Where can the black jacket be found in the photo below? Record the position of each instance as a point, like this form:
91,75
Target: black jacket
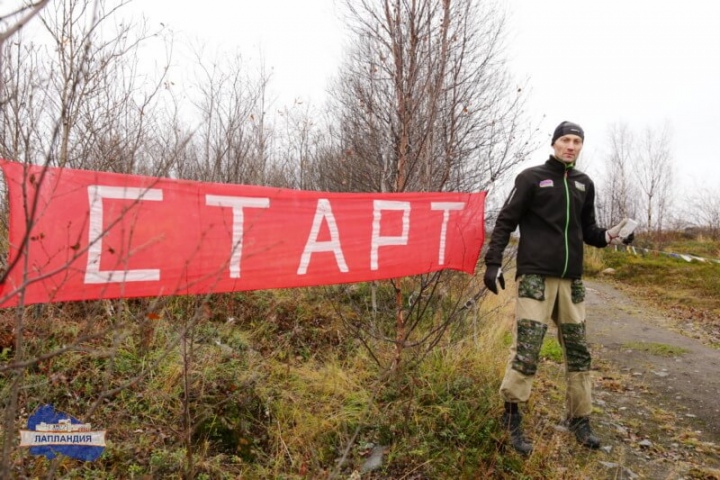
554,204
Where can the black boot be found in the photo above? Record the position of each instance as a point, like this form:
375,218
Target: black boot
512,422
580,426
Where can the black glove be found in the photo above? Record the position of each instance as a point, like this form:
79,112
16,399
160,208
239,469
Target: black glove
629,239
493,274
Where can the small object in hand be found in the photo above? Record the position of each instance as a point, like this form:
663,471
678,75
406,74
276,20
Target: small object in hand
628,228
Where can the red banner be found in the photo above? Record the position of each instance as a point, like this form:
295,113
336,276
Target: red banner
80,235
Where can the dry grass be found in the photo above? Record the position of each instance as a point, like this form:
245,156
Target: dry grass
277,387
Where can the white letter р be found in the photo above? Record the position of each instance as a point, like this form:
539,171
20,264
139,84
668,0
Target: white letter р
377,241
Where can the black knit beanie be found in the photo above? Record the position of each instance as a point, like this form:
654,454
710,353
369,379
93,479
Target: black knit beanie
567,128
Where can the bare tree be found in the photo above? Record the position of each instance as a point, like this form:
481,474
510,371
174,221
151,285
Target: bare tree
15,20
295,151
23,103
82,80
619,197
97,92
423,103
79,102
704,211
654,172
230,141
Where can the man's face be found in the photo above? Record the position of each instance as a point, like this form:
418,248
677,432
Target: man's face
567,148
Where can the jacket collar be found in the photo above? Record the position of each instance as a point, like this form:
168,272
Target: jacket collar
558,165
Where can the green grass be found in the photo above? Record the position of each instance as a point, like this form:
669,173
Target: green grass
551,350
669,281
701,247
660,349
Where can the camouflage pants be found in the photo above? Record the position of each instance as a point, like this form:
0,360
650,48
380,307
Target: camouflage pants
541,299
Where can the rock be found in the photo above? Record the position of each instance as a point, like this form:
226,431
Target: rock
608,271
645,443
374,461
624,472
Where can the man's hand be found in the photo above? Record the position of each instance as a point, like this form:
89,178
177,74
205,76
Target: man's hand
493,275
618,235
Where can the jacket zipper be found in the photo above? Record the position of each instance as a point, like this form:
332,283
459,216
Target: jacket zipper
567,223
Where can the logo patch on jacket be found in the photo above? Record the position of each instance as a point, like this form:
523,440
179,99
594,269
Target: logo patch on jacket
580,186
546,183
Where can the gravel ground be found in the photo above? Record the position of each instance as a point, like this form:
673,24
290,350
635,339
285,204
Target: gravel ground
657,391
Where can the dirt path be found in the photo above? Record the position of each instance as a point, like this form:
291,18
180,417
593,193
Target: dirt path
657,391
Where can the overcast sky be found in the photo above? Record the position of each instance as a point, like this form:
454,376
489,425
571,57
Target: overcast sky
641,62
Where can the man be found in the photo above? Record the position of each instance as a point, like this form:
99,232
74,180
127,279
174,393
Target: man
554,206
